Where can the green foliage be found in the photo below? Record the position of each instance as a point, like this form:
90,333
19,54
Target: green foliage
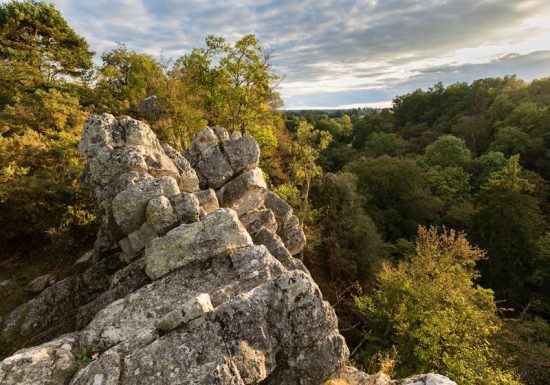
381,143
41,202
447,150
350,245
234,85
398,196
36,39
308,146
125,79
508,225
429,309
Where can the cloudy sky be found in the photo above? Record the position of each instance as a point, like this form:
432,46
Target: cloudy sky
335,53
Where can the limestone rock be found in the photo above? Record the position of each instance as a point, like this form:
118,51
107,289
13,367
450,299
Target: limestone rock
425,379
186,207
51,363
219,233
243,153
217,157
118,154
273,242
160,214
292,235
254,221
129,206
245,192
40,283
207,200
189,181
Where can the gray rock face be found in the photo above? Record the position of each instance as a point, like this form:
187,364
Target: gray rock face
425,379
40,283
49,364
205,290
218,234
119,154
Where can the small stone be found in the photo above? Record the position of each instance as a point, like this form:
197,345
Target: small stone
160,214
273,242
208,200
40,283
254,221
292,235
189,181
186,207
243,153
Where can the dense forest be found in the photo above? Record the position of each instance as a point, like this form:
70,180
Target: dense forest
427,223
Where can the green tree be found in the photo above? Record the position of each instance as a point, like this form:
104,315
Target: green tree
508,225
511,140
235,84
308,145
429,309
381,143
447,150
397,193
37,45
126,78
41,203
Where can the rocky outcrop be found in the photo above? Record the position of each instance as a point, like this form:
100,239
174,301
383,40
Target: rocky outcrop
192,279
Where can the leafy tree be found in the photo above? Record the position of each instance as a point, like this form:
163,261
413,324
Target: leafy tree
500,109
508,226
397,194
447,150
308,146
41,203
365,126
381,143
474,130
485,165
235,85
350,246
429,309
511,140
126,78
38,44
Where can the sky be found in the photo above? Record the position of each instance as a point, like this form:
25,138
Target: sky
338,53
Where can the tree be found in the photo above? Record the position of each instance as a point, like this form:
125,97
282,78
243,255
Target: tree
486,164
429,309
510,141
349,244
447,150
398,196
41,202
36,39
235,85
125,79
380,143
508,225
308,146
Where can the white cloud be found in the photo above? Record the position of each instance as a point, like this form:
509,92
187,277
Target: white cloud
336,52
